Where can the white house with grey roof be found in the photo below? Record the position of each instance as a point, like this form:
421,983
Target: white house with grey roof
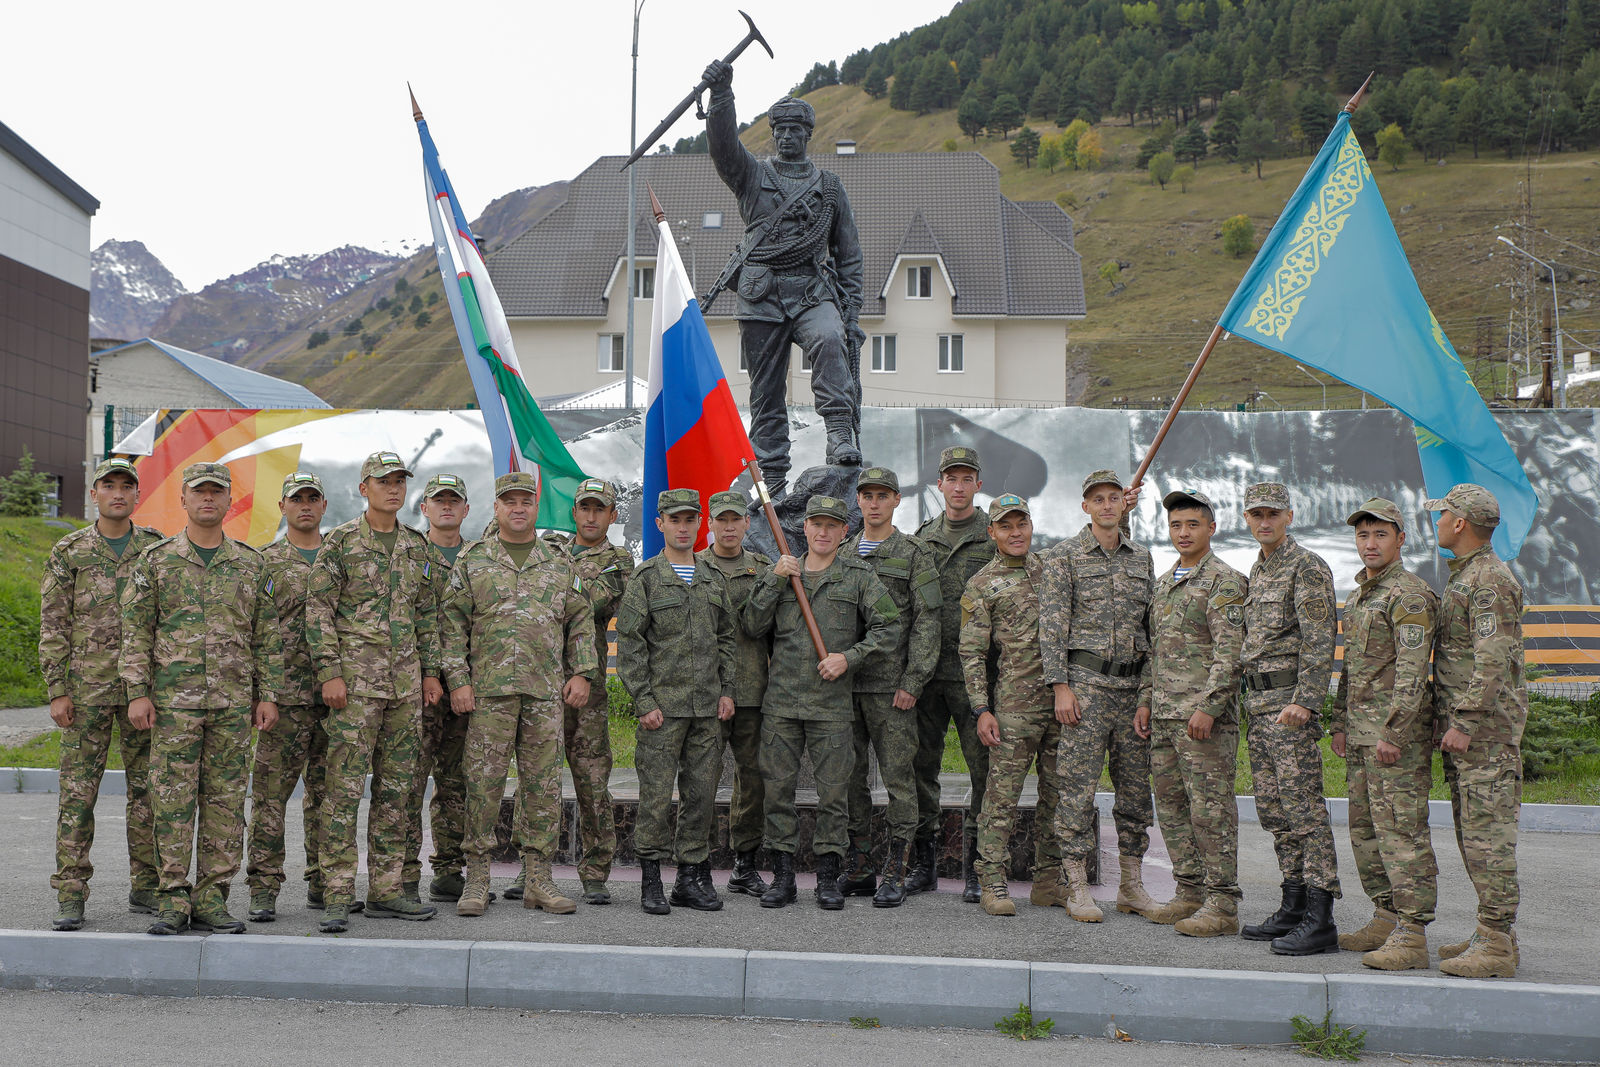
968,294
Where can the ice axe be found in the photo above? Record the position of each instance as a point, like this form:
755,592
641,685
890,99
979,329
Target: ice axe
655,135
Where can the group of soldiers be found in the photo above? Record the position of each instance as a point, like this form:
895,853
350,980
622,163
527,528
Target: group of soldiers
380,649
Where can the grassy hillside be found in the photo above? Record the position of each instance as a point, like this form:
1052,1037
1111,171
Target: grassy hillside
24,546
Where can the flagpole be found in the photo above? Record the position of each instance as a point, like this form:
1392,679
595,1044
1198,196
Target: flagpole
1211,342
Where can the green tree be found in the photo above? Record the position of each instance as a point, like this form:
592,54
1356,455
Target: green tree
1225,130
1365,124
1184,176
353,327
317,339
876,83
855,67
1432,129
401,286
1315,110
1238,236
1042,104
1162,164
1089,152
416,303
423,318
1050,153
905,79
1589,123
1191,143
1005,115
1110,270
971,115
433,298
951,145
1025,149
1069,141
1392,145
1256,141
23,492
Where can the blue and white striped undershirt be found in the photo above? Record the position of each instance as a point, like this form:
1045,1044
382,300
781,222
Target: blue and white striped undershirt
1180,573
865,547
684,571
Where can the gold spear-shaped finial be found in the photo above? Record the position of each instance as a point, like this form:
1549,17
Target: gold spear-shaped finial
416,109
1355,101
655,205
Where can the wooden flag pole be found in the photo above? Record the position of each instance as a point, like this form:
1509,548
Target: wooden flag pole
783,547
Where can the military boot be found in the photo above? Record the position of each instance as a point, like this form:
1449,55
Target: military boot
1080,905
143,902
263,906
1217,916
746,878
1048,890
1406,949
171,919
1372,935
1489,954
996,897
515,889
1315,932
542,892
446,886
971,893
1285,919
401,907
892,887
924,876
472,899
859,879
335,919
842,448
69,914
1180,907
782,891
1132,899
827,892
1451,951
596,892
651,897
412,891
214,919
694,890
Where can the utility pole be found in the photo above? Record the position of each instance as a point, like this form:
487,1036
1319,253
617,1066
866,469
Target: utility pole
633,215
1545,392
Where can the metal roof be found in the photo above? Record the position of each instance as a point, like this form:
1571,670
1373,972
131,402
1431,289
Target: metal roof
46,171
247,388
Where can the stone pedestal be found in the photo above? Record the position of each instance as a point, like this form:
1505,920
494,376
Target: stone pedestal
834,480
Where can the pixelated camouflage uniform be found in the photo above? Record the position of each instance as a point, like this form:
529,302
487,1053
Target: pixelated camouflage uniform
1000,623
202,642
372,620
443,736
1480,691
1097,604
80,638
1389,624
515,634
1196,631
1289,622
742,733
676,654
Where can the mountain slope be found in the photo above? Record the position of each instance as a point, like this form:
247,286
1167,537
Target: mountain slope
129,290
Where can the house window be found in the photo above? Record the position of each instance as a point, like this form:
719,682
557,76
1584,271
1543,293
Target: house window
711,220
951,359
644,283
610,353
883,353
919,283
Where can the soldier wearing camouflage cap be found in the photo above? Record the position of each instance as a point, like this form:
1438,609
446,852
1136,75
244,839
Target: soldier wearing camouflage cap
80,636
1289,625
1383,728
1482,698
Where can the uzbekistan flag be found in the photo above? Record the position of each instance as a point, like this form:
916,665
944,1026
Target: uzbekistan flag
693,435
520,437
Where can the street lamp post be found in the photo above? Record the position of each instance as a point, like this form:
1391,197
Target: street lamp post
1319,381
1555,299
633,213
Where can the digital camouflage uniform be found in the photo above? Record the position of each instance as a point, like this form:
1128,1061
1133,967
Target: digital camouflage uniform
371,619
443,743
202,642
80,638
676,654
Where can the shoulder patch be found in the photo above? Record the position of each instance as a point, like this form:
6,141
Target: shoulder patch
1414,605
1410,634
1316,609
1485,625
1234,614
1229,587
1484,598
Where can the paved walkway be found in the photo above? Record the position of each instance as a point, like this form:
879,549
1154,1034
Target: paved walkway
21,725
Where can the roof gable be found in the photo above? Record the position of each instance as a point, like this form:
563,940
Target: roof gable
247,388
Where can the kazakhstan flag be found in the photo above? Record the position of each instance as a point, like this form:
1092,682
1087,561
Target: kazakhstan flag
1331,288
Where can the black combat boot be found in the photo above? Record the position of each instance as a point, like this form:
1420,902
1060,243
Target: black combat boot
892,888
973,893
650,893
1286,918
924,876
782,890
693,888
859,879
746,879
1316,932
828,896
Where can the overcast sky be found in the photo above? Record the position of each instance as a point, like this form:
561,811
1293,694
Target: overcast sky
220,134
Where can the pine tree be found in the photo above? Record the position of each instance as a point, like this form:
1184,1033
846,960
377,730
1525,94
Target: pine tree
1026,147
971,115
1256,141
1225,130
1006,115
876,83
24,490
1191,143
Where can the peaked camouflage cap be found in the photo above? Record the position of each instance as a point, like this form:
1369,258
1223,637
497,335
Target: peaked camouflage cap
827,507
201,473
1104,476
444,483
1187,498
728,500
1267,495
881,477
1472,502
523,480
959,456
1380,509
115,465
1001,506
672,501
596,489
380,464
301,480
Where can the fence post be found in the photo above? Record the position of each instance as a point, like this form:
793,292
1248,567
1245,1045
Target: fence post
111,411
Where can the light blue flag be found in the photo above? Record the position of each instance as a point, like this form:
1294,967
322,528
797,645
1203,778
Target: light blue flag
1331,288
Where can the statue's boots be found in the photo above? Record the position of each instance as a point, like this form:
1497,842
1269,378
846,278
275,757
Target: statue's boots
842,450
1489,954
1131,895
1406,949
1372,935
1286,918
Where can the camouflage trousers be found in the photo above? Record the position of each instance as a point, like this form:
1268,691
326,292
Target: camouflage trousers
689,750
892,733
1195,801
831,746
941,703
1286,765
742,734
1104,732
84,747
296,746
444,739
499,728
1389,830
1485,798
380,735
587,739
197,781
1026,738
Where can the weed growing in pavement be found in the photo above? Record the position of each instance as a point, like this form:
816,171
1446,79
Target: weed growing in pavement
1328,1041
1020,1025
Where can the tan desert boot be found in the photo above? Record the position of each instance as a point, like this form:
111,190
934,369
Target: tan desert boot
1405,950
1451,951
1131,895
1080,905
1489,954
1372,935
1217,916
996,898
1180,907
1048,890
542,893
474,899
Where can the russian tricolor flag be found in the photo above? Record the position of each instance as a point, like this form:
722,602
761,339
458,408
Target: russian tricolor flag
693,435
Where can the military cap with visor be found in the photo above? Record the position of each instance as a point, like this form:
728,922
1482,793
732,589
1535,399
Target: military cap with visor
1104,476
115,465
879,477
959,456
1377,508
596,489
444,483
672,501
728,500
1267,495
301,480
1186,498
1001,506
516,480
382,464
1472,502
827,507
202,473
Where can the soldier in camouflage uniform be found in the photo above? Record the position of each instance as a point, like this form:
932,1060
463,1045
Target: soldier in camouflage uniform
1289,623
1094,606
1013,709
888,687
1188,707
80,636
677,657
1482,701
298,745
516,623
959,541
203,659
809,705
1383,728
372,624
738,569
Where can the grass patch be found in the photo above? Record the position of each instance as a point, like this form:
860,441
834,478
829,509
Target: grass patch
24,546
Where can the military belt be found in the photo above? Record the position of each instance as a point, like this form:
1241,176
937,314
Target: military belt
1110,667
1263,682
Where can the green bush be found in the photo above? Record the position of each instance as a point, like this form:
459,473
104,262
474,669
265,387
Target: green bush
1558,732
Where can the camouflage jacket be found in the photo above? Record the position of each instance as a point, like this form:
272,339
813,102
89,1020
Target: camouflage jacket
1289,620
738,576
511,631
604,570
1094,601
1000,623
1478,651
372,618
905,567
80,618
1388,636
959,552
675,643
197,636
857,617
291,577
439,571
1196,630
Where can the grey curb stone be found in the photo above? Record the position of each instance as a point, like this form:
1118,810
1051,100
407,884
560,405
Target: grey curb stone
1460,1017
554,977
898,990
308,968
1176,1004
99,963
